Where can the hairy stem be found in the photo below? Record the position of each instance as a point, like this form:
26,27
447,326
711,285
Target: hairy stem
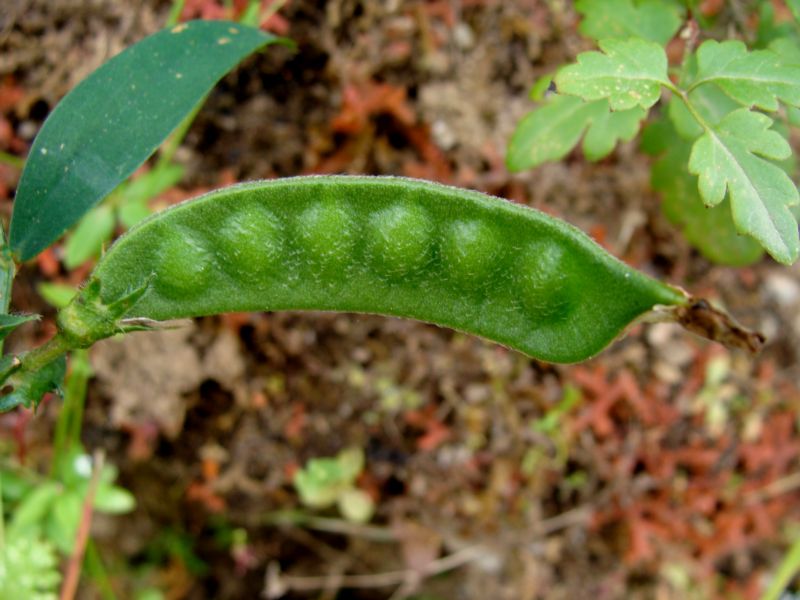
40,357
7,271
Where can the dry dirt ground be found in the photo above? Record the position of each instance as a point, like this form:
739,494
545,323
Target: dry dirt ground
667,473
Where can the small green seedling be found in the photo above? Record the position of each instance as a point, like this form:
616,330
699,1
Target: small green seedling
721,135
383,245
324,482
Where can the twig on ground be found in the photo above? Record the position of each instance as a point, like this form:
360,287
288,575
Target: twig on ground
277,584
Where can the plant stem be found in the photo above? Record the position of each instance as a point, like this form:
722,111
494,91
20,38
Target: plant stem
786,571
70,417
684,97
7,272
273,8
11,160
175,12
42,356
2,519
72,578
171,146
97,571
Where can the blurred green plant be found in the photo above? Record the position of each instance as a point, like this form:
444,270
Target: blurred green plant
28,564
324,482
45,512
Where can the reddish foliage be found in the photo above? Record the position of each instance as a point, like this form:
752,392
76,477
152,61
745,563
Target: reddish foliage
434,164
362,102
293,430
11,94
48,263
676,487
436,432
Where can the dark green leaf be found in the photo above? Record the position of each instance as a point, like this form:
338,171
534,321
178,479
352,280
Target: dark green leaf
9,323
113,120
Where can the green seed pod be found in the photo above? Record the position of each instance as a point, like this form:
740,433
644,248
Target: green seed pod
382,245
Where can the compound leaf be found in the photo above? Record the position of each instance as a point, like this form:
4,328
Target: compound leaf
730,160
654,20
710,230
760,78
628,73
712,104
114,119
551,131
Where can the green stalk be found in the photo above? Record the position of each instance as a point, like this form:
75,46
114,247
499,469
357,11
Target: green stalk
2,519
7,272
171,146
11,160
96,570
70,418
175,12
788,568
40,357
684,97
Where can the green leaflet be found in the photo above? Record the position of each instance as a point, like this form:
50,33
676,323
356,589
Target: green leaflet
9,323
728,159
654,20
549,132
114,119
710,230
29,387
758,78
628,73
